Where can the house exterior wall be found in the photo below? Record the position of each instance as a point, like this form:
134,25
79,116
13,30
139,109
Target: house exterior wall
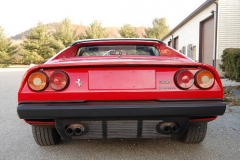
189,32
228,29
228,26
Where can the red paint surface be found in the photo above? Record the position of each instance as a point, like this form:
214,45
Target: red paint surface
73,92
204,119
96,87
38,122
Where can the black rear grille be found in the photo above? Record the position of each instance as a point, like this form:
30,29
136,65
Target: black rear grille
120,129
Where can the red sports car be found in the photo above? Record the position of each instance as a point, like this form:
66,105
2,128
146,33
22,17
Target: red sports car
120,88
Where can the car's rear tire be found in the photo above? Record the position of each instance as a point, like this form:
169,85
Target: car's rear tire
195,133
45,136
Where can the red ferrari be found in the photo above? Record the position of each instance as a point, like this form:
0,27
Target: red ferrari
120,88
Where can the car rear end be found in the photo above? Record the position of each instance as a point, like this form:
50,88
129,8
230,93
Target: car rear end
121,96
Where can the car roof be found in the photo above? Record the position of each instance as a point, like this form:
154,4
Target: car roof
118,39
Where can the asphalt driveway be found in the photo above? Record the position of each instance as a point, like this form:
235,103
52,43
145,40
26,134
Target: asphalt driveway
16,141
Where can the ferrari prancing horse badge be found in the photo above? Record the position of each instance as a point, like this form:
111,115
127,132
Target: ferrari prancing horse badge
79,82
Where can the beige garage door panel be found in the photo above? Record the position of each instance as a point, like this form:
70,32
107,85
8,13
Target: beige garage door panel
208,41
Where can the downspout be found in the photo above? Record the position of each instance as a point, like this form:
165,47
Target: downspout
172,41
216,28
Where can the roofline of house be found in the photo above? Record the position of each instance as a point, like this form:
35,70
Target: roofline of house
193,14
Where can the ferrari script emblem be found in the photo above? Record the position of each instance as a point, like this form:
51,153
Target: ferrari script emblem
79,82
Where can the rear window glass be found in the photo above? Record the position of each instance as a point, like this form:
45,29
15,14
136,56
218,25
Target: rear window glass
138,50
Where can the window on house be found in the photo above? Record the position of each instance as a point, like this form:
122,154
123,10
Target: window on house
194,53
184,50
175,44
189,51
169,43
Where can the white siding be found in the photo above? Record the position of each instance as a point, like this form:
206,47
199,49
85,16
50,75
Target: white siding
229,25
189,32
228,28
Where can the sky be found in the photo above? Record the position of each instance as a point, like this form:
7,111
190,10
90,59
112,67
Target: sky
17,16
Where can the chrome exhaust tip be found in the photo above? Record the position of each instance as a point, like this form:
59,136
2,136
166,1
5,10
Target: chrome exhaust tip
69,131
78,131
174,128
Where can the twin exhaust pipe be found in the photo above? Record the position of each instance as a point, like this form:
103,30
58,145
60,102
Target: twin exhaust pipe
169,127
75,129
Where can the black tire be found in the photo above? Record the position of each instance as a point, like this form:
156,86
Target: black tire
195,133
45,136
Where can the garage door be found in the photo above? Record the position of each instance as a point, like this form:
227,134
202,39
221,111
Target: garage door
207,41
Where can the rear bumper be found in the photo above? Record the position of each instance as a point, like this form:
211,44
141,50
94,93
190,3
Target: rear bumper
61,110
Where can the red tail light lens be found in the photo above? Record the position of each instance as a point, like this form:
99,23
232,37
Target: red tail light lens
204,79
38,81
58,80
184,79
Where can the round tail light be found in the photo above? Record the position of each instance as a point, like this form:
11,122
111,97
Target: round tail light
38,81
184,79
58,80
204,79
